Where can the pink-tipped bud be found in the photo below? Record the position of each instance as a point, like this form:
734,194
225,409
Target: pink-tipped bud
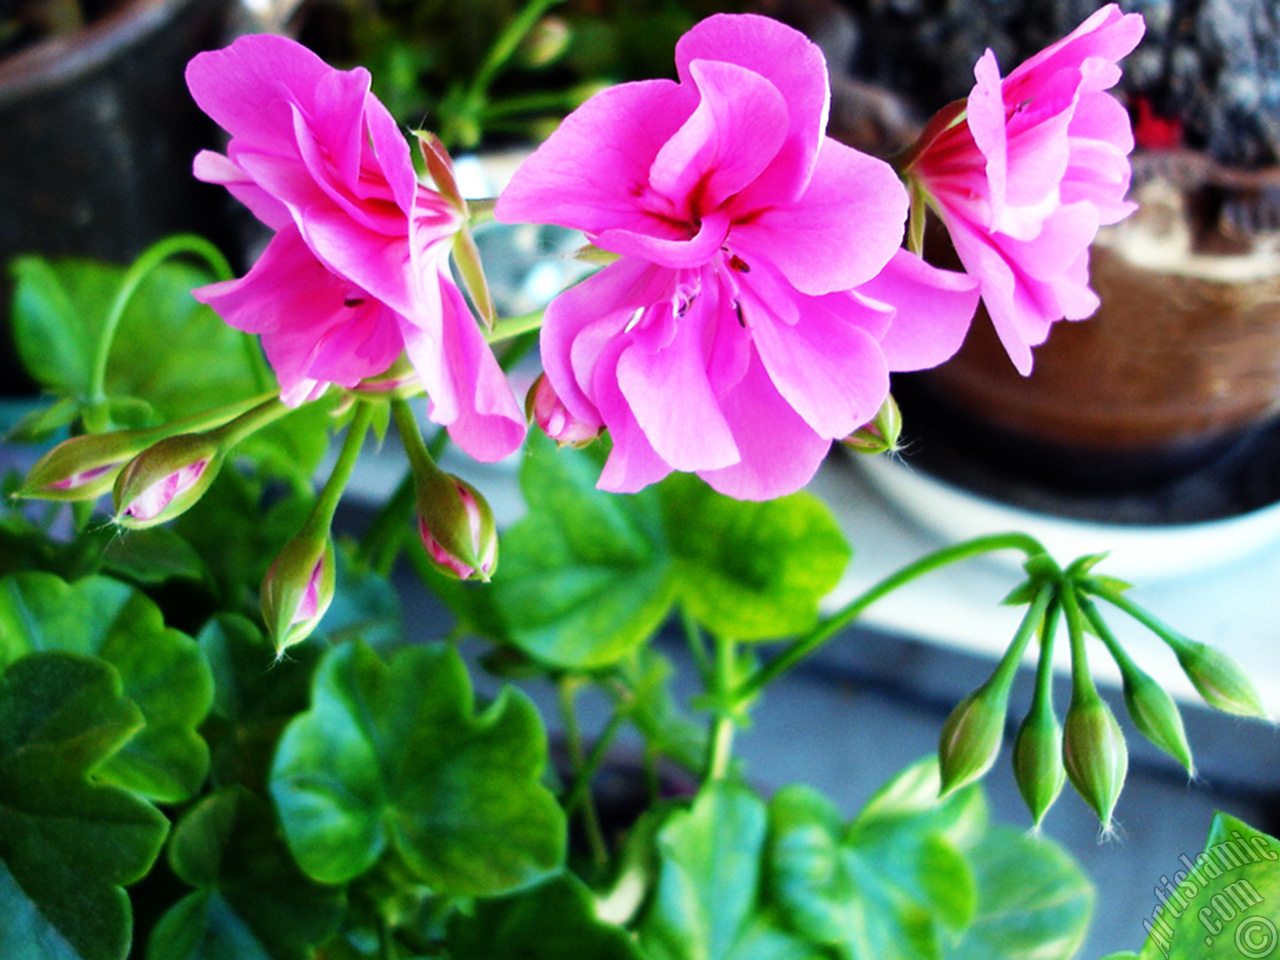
457,528
298,589
548,411
82,468
165,480
880,435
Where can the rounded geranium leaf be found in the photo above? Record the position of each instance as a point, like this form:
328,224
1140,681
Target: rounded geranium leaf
162,670
751,571
68,844
252,901
395,756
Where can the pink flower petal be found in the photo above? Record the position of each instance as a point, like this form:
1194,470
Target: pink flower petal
794,66
816,241
592,174
780,452
932,311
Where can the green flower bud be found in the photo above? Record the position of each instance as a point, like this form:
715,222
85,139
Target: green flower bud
457,528
971,737
298,589
83,468
1037,760
1220,680
1095,754
1156,715
165,480
881,434
545,43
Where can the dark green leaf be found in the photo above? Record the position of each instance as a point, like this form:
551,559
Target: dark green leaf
555,920
708,903
151,557
255,696
393,756
584,578
67,845
751,571
162,670
253,903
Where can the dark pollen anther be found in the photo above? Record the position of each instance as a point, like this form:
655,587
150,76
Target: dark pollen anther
737,263
353,301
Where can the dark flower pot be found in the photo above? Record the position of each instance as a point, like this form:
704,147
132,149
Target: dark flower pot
97,133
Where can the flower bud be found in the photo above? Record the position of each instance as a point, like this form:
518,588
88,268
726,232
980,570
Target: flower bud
1156,715
298,589
1095,754
1220,680
82,468
971,737
543,407
545,43
881,434
1037,760
165,480
457,528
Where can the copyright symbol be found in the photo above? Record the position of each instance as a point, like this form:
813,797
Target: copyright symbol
1255,937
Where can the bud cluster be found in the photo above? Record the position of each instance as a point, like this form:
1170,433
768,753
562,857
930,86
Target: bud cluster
1089,747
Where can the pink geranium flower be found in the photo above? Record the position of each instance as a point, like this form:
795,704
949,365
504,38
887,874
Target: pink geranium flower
357,272
760,297
1035,165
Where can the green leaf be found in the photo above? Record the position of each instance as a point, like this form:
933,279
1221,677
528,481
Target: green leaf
555,920
751,571
253,903
888,887
393,756
584,578
255,696
1225,907
1034,902
162,670
655,711
58,317
151,557
67,844
708,903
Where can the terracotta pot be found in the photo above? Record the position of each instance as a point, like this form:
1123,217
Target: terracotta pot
1181,361
97,132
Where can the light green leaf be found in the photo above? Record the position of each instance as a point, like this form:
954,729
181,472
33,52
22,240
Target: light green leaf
555,920
709,901
751,571
886,887
1226,906
162,670
58,317
393,755
585,577
67,844
1034,902
253,903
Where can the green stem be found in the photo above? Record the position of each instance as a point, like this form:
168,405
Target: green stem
550,101
1044,668
327,502
697,647
824,631
381,543
580,790
720,748
1176,640
1007,669
506,44
420,459
152,257
508,328
261,416
567,689
1082,686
